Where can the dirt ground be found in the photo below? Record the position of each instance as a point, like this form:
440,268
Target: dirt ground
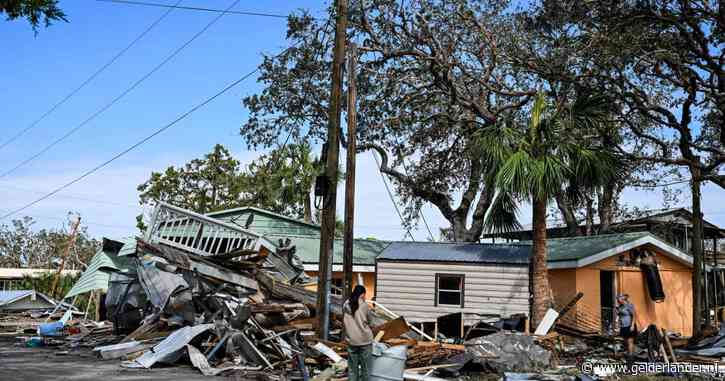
20,363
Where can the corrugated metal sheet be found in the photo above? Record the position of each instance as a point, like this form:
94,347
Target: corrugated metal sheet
94,277
564,249
408,289
23,300
169,350
129,247
457,252
364,251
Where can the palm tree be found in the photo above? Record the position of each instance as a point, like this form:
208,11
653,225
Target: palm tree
535,161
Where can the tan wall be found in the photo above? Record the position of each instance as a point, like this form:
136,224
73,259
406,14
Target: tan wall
565,283
368,280
674,313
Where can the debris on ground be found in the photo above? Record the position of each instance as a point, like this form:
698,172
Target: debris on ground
226,304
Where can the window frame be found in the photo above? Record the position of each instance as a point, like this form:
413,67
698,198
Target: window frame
333,290
462,291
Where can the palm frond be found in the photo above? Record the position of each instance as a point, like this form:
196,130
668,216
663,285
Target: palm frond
502,215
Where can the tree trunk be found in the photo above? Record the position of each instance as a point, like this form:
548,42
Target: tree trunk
567,212
697,255
590,216
605,198
307,206
540,280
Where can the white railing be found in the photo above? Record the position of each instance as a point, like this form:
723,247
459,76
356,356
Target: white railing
199,234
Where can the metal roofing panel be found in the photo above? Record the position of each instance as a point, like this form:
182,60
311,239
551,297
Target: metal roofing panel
9,296
364,251
169,350
574,248
457,252
94,277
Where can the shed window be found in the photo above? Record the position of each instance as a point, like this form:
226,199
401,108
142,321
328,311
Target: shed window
450,289
336,287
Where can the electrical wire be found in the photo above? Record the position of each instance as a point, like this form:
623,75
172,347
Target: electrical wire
661,185
89,79
425,222
72,197
85,223
119,97
390,194
159,5
135,145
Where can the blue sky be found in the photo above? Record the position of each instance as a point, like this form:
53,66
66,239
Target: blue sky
38,71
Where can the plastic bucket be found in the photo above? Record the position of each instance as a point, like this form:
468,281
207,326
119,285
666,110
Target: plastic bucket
387,364
51,329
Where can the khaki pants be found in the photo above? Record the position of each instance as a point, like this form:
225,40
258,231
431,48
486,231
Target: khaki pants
358,360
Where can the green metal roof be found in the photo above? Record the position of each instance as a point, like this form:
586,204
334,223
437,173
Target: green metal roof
266,222
575,248
94,277
364,251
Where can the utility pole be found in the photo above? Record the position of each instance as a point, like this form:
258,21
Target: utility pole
71,243
327,236
350,170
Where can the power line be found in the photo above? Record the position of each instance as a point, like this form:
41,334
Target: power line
119,97
72,197
149,4
660,185
89,79
134,146
425,222
85,223
390,194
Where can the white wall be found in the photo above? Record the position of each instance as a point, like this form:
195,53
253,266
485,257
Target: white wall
408,289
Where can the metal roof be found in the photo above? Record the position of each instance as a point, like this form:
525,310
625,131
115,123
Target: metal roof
517,253
8,297
572,248
95,277
307,248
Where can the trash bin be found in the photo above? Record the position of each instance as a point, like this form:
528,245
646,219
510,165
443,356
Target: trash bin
387,364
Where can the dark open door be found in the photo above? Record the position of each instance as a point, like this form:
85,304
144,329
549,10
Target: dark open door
607,291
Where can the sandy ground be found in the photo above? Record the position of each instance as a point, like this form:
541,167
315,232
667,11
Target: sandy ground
20,363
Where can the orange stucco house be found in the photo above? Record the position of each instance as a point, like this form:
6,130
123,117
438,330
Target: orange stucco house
604,266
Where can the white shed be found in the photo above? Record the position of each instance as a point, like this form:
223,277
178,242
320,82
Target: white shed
425,280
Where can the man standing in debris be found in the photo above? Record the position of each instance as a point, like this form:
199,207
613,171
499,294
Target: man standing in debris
627,325
356,318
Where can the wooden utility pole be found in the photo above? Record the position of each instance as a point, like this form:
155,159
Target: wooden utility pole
68,248
350,169
697,256
327,236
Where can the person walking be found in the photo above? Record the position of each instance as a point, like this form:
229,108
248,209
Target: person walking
627,323
356,322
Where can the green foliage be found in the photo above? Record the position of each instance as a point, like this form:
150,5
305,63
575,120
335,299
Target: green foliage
21,246
551,153
35,11
428,80
43,283
280,181
202,185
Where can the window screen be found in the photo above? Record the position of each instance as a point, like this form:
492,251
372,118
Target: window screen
450,289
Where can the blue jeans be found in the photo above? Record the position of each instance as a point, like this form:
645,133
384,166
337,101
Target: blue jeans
358,360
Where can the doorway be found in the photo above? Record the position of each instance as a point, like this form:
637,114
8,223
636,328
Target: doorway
607,297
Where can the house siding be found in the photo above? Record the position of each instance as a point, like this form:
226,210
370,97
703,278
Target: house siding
408,289
673,314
